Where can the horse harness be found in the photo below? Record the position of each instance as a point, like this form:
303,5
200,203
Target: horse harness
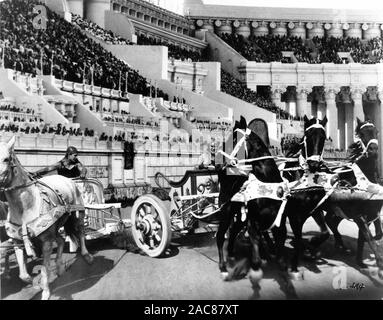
49,213
253,188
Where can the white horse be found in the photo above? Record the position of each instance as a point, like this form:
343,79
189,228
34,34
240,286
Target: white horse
38,209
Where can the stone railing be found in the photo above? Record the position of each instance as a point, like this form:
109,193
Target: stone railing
33,85
39,141
87,89
23,115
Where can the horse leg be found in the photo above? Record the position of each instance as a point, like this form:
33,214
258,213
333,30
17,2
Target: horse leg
81,235
333,222
271,246
234,230
378,228
45,270
359,250
255,273
280,234
222,228
7,271
59,261
23,273
316,241
296,227
376,246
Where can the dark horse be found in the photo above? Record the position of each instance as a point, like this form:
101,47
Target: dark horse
261,213
303,201
363,153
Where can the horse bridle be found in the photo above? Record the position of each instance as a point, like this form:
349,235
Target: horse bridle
317,157
365,147
6,176
232,157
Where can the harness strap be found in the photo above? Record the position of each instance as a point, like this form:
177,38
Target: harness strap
326,196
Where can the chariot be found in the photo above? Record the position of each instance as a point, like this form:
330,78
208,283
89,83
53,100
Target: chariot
186,206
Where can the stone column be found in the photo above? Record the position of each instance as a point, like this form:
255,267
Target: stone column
349,125
332,115
303,107
380,127
357,97
276,92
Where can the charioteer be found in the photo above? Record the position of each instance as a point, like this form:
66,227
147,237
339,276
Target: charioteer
69,166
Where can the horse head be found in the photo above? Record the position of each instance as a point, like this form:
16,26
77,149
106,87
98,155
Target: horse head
313,142
367,135
6,162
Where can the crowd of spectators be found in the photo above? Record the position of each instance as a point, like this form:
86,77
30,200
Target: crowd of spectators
42,128
175,52
290,145
232,86
212,125
63,47
361,52
269,48
8,118
12,108
95,30
130,120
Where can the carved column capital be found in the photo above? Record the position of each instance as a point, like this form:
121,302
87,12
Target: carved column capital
379,92
331,92
357,92
303,92
277,90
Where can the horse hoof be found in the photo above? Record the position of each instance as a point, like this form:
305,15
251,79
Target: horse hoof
88,258
225,276
296,275
230,261
342,249
255,276
28,279
308,255
45,295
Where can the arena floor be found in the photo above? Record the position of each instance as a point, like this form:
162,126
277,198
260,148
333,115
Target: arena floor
190,271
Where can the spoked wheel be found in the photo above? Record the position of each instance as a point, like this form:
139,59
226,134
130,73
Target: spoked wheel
151,225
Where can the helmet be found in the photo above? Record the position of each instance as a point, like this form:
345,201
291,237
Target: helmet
71,150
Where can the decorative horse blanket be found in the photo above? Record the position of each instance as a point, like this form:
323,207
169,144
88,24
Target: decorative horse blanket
49,213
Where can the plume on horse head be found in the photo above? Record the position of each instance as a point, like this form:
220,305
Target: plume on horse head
309,122
260,128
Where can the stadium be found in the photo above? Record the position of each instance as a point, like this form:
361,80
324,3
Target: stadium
141,87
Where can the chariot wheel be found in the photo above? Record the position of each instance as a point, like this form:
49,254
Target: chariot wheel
151,227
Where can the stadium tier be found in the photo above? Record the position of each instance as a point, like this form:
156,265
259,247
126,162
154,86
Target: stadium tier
234,87
270,48
64,48
108,76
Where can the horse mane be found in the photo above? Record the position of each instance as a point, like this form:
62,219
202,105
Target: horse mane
354,151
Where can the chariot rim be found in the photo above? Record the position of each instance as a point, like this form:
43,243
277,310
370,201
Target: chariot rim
151,225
